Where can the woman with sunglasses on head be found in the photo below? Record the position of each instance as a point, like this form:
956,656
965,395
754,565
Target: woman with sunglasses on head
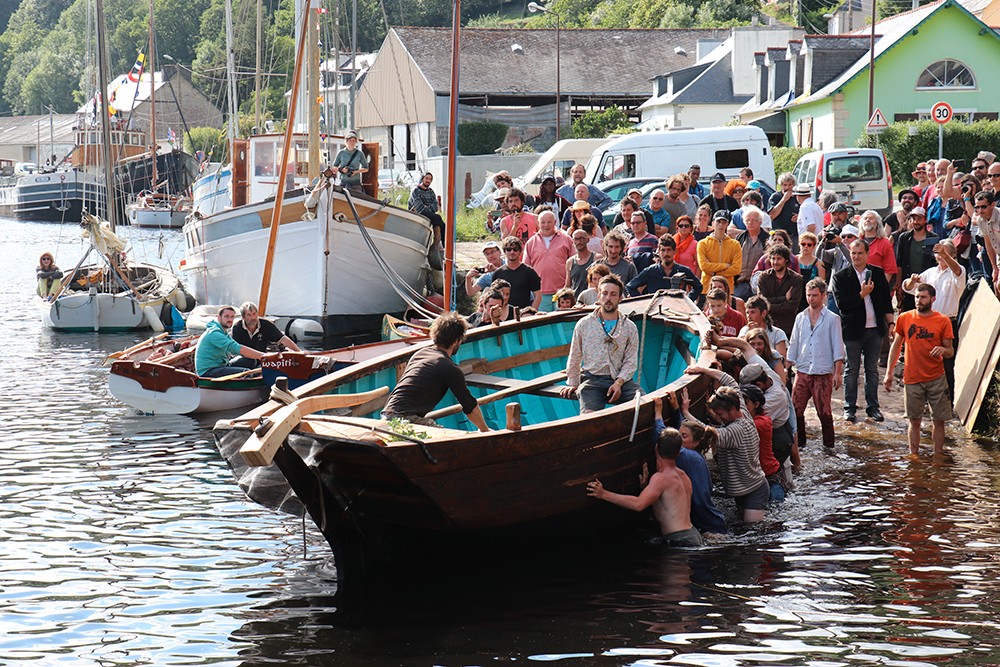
49,276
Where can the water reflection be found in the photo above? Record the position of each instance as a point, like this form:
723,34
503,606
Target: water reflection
124,541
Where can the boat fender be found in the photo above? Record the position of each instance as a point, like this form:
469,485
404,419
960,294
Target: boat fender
152,319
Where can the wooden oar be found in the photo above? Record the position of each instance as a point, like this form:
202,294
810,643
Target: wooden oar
234,376
520,388
138,346
260,448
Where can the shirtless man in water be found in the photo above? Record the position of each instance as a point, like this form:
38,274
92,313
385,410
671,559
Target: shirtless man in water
668,491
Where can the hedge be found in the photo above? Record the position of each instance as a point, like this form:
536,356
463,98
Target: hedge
785,159
480,138
962,141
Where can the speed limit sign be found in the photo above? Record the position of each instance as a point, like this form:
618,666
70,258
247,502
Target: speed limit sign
941,112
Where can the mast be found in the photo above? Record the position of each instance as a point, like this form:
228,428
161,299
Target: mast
102,78
256,77
234,118
449,244
286,147
315,92
152,94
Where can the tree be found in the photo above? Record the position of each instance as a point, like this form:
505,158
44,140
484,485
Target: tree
599,124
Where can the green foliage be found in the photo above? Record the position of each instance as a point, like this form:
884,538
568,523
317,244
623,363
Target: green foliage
648,14
404,428
599,124
785,159
209,139
480,138
960,141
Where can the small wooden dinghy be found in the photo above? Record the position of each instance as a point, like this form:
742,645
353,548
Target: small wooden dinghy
379,492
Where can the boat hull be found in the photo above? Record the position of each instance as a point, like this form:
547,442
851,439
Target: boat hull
158,389
380,498
324,267
154,217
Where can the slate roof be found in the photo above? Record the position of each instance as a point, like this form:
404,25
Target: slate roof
27,130
593,62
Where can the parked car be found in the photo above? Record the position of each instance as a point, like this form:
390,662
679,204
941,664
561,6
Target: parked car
609,215
619,188
859,176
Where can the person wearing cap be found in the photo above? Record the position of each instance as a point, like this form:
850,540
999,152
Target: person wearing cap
598,199
633,201
737,447
351,163
914,252
908,199
754,398
816,352
695,188
478,279
866,314
783,208
577,208
547,196
518,222
547,252
717,197
810,214
920,176
718,254
665,274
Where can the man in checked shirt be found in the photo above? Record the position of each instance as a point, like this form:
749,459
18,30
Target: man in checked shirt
604,354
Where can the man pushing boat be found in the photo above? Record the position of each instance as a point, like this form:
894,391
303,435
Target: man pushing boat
604,354
430,373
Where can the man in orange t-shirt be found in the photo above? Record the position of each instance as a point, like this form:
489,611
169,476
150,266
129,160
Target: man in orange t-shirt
928,336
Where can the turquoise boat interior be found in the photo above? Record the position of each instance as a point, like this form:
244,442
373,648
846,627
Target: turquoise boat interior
528,356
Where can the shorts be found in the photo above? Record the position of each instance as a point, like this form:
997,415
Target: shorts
681,538
756,499
933,393
593,391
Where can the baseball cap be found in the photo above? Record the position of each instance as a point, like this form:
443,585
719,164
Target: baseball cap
634,191
722,214
490,244
718,176
351,135
751,373
839,207
920,211
850,230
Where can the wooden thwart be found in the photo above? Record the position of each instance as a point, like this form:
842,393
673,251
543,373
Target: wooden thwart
513,387
523,359
260,448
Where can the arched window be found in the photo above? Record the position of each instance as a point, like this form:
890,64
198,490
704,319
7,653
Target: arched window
946,74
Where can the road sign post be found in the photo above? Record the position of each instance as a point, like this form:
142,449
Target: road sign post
941,113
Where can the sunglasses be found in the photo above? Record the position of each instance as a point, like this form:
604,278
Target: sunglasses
994,175
850,236
807,245
657,198
981,208
683,226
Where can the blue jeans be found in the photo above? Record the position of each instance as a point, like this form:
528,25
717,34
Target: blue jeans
868,346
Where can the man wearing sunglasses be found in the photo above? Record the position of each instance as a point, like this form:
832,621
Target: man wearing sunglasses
987,218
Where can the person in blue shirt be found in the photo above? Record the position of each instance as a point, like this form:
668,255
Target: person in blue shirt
214,356
662,224
598,199
695,439
696,189
665,274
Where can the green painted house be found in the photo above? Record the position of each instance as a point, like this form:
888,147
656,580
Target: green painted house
939,52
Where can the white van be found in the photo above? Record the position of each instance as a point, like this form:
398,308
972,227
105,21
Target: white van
558,160
669,152
859,176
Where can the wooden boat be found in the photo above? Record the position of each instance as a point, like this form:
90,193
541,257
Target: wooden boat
394,328
158,209
157,376
114,294
378,495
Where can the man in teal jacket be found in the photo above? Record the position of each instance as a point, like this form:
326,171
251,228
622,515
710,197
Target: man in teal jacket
216,348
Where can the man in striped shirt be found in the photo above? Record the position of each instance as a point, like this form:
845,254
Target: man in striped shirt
738,445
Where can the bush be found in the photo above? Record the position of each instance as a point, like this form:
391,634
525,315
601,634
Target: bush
480,138
961,141
209,139
785,159
599,124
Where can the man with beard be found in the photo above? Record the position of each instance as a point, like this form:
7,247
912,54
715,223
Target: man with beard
597,198
661,274
928,336
717,199
782,288
614,257
578,265
907,200
604,354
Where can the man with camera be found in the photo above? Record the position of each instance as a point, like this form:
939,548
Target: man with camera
351,163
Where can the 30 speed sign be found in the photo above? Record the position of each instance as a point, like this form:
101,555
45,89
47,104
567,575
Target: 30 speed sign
941,112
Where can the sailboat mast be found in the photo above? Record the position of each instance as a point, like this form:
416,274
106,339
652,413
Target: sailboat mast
102,78
256,77
151,67
315,93
286,147
234,119
449,244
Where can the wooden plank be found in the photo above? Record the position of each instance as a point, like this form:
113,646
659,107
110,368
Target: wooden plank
977,353
535,356
528,385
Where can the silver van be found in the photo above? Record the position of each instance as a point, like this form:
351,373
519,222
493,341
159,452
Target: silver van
859,176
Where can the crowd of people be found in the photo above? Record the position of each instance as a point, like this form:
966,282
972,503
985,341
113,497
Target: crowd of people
807,297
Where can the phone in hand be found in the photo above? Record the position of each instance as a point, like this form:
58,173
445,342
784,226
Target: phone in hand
959,165
868,275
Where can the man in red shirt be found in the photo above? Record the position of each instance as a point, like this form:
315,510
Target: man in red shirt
928,336
718,308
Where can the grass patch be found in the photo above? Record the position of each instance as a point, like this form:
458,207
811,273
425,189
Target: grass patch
471,225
